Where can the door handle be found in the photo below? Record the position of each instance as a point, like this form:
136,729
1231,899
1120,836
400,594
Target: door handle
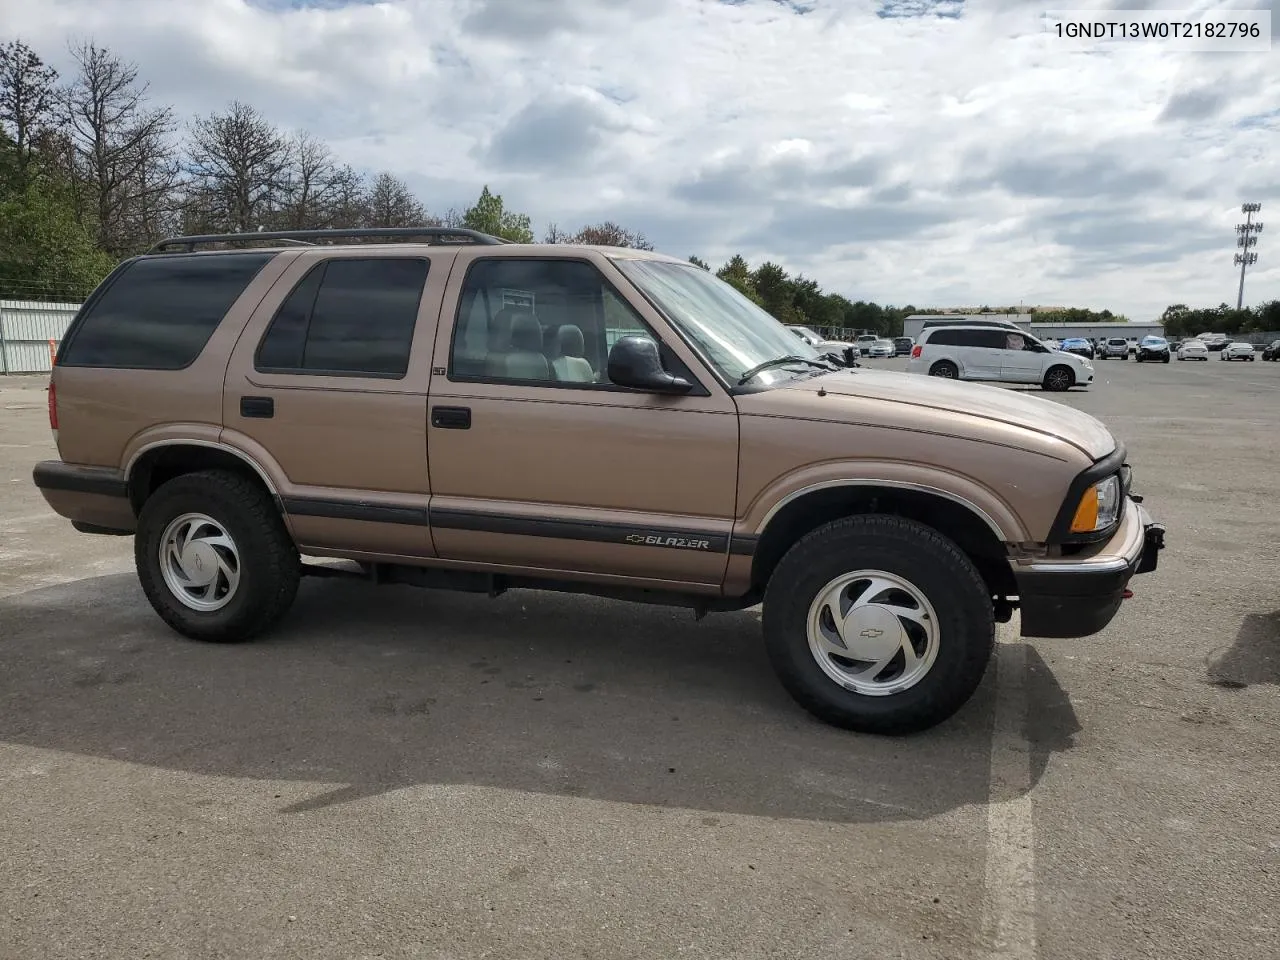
263,408
451,418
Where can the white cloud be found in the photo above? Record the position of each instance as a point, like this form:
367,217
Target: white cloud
966,157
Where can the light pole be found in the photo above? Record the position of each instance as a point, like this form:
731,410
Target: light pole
1248,238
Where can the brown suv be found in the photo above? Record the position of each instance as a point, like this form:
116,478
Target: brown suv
449,410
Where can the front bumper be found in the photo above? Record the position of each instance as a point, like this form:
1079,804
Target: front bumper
1079,596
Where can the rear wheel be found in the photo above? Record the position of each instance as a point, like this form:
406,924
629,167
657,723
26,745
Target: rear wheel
878,624
1059,378
214,558
944,368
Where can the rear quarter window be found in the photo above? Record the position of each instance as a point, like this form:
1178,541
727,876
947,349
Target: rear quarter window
159,312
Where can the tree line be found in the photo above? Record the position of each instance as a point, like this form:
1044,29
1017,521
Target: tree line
1182,321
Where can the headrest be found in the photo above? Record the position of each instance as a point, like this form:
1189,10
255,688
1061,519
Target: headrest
500,327
526,333
569,341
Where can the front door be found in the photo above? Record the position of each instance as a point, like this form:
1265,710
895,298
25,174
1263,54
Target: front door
326,389
538,461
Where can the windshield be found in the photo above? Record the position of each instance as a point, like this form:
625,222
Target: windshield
806,332
1153,341
732,333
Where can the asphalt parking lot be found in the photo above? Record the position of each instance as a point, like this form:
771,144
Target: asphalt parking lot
407,774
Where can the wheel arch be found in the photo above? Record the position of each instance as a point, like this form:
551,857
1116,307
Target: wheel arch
973,528
946,358
159,461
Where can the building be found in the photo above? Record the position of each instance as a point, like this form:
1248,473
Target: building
913,324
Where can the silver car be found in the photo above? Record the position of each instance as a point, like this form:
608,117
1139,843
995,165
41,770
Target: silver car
881,348
1115,347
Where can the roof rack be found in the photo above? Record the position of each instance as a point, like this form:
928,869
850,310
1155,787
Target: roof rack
311,238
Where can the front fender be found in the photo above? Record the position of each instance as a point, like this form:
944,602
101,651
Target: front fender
985,503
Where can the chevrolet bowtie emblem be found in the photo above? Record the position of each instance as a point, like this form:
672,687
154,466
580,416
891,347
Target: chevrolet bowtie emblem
871,633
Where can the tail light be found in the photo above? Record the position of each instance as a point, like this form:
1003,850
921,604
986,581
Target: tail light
53,406
915,351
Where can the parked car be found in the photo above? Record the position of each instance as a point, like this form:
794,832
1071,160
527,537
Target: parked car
1239,350
1078,345
1214,341
821,344
235,410
1271,351
902,346
982,352
1194,349
881,349
1153,348
1115,348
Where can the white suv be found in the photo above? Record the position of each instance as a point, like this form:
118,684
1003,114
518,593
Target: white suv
996,352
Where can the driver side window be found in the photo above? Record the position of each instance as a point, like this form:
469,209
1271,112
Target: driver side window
545,322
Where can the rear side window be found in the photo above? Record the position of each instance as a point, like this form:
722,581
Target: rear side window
159,312
968,338
347,318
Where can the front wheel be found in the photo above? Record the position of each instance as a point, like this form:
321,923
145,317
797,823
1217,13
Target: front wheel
214,558
878,624
1058,379
1166,360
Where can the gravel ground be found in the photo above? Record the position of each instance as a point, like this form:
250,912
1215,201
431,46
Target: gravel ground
409,774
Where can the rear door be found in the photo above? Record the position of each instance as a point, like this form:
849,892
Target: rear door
327,390
980,353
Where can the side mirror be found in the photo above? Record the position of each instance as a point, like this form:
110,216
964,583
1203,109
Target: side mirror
635,362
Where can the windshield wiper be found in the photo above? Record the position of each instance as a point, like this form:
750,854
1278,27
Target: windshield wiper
777,362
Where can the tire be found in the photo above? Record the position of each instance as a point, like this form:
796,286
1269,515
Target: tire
950,661
1058,378
239,531
1166,360
944,368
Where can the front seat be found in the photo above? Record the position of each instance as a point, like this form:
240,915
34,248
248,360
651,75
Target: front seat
570,365
499,343
526,361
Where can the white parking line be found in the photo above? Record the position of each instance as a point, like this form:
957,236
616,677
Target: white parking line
1010,921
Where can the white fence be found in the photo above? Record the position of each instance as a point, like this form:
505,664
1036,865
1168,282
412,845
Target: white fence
26,327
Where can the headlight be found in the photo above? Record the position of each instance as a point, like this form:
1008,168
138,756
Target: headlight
1099,507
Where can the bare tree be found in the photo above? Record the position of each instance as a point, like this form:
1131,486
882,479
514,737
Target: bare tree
123,156
555,235
391,204
347,203
610,234
237,164
312,182
28,99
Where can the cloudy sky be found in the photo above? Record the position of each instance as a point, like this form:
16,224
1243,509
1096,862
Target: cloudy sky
940,153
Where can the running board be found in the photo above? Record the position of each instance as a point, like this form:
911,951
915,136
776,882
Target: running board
496,584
